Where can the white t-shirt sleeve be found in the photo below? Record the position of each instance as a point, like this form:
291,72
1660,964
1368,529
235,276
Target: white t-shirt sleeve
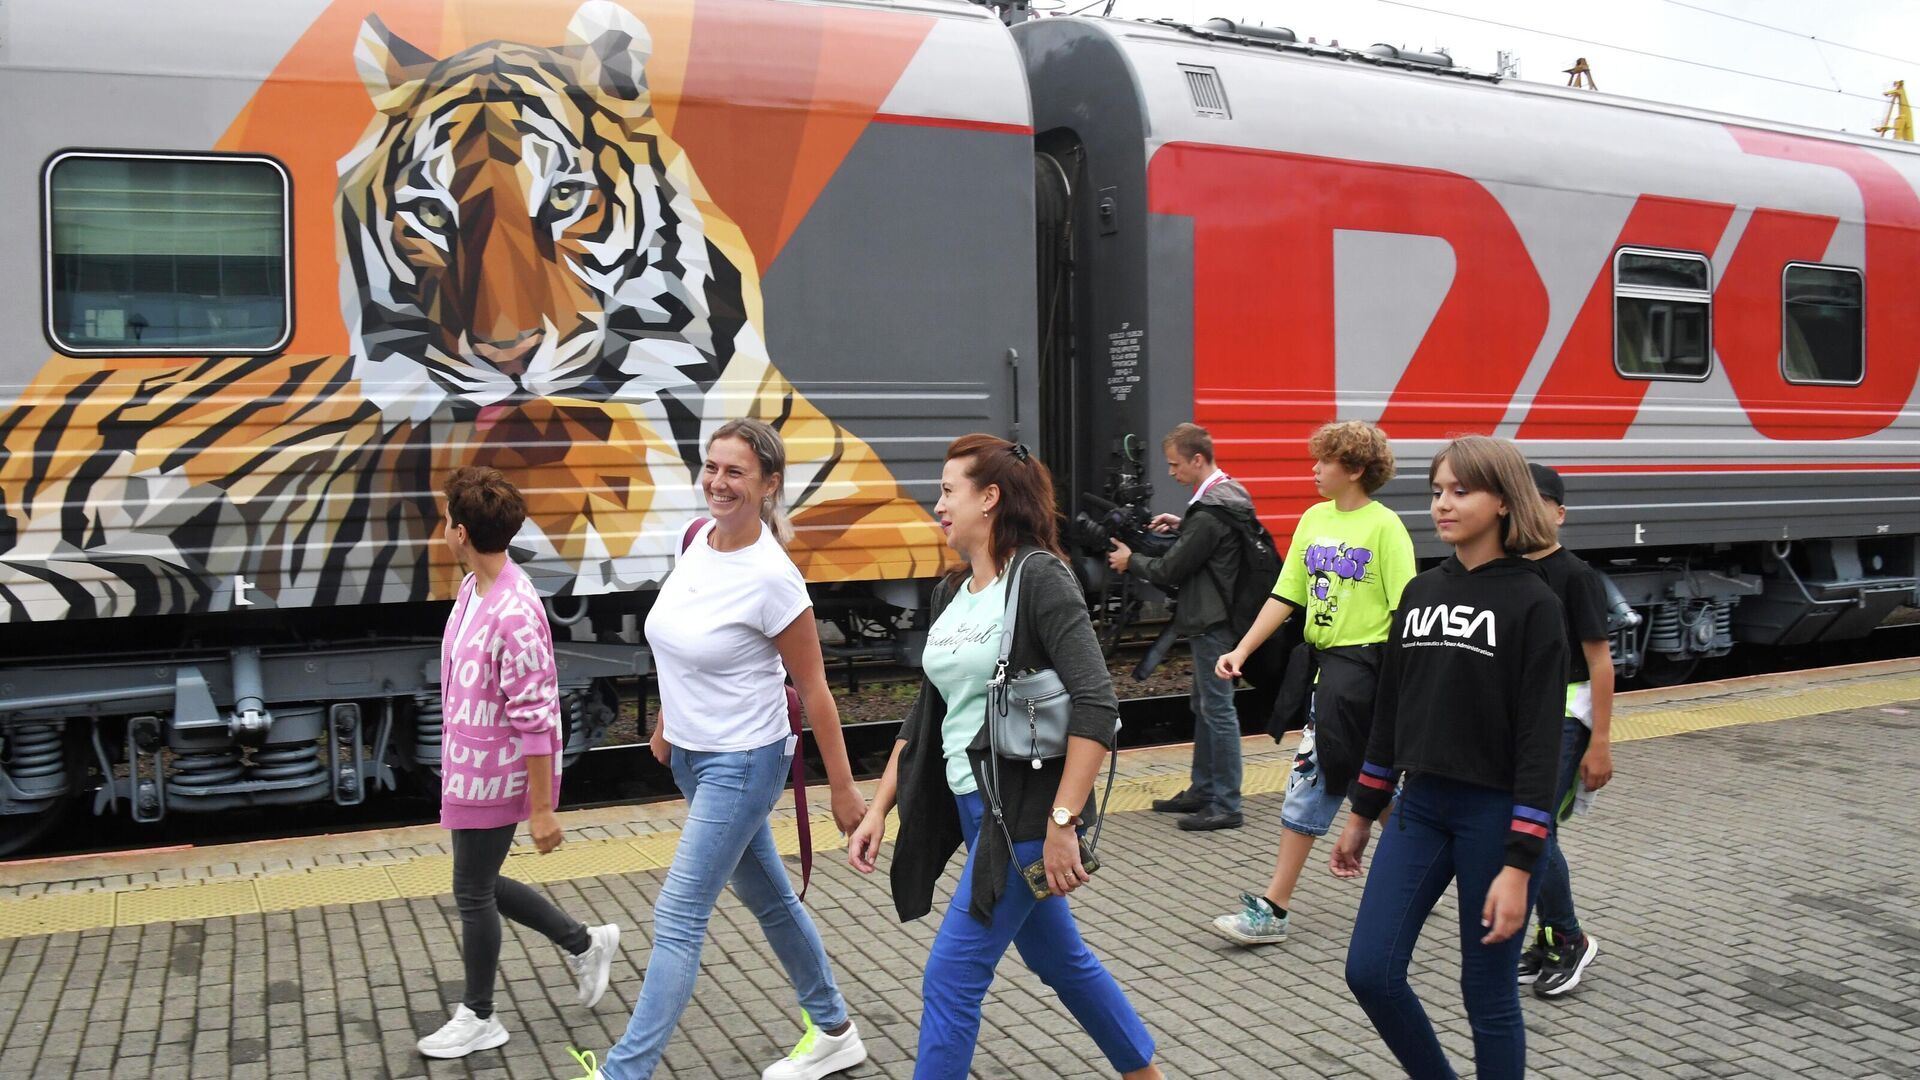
784,598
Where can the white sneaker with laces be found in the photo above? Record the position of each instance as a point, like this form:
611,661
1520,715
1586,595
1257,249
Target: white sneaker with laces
463,1035
590,969
819,1054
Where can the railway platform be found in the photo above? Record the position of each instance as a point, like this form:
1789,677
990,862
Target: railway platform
1751,875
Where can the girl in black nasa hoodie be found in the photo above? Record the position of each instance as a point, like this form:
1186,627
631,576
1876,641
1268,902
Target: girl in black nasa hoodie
1472,690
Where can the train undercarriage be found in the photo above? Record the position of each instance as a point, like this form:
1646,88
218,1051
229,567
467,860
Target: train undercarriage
243,726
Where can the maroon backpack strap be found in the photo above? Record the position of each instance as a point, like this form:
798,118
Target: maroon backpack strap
693,530
801,821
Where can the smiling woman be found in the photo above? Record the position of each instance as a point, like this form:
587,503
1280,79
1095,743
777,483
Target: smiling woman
731,622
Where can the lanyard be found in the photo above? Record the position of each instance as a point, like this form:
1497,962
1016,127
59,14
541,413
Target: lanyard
1218,475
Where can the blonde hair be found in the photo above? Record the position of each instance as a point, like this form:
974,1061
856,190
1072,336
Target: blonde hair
1498,467
771,450
1359,447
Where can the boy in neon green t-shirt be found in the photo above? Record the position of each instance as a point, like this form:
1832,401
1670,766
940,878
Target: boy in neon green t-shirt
1348,562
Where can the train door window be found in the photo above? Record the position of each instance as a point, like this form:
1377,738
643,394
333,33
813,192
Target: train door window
1662,314
1823,336
166,254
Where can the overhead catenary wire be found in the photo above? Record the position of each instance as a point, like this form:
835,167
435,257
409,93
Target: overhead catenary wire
1876,99
1817,39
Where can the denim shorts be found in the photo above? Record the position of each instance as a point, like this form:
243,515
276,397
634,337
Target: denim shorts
1309,807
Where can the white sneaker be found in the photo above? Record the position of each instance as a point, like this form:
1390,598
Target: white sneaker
590,968
464,1034
819,1054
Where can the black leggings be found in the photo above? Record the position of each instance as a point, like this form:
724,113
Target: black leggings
483,896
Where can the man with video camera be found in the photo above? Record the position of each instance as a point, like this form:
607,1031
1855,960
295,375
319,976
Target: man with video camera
1204,565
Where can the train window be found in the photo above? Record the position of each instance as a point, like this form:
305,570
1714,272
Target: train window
164,254
1823,336
1662,314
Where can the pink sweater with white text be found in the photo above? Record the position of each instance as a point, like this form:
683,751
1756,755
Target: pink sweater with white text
502,703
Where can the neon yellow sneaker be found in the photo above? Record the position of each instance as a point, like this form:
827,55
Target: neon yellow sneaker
818,1054
588,1062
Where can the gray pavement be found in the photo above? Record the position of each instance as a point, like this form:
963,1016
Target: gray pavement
1755,889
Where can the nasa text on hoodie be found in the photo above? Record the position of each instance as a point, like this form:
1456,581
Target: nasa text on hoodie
1472,688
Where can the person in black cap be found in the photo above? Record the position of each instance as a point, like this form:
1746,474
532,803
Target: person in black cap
1561,951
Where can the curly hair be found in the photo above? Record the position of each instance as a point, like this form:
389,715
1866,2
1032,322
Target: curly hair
487,503
1359,447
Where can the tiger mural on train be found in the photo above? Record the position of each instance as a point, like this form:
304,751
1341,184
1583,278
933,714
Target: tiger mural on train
532,277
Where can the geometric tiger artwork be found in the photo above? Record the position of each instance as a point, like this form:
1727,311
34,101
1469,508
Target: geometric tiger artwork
532,277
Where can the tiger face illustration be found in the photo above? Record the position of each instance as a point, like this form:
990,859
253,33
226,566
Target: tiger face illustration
533,278
515,224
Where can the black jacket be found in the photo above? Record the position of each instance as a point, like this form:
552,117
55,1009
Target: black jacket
1203,561
1340,682
1052,631
1473,687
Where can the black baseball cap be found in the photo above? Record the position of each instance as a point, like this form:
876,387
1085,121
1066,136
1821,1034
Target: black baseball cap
1549,482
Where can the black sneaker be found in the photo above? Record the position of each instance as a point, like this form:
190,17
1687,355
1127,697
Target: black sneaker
1205,821
1561,972
1534,958
1186,802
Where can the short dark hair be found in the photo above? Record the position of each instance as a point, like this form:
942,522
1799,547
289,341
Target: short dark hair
1189,439
487,503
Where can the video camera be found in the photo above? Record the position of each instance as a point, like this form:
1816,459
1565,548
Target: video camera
1123,517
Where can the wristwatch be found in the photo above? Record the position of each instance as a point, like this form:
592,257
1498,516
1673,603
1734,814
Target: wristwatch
1064,817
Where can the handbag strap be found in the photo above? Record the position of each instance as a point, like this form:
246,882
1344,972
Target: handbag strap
802,822
997,688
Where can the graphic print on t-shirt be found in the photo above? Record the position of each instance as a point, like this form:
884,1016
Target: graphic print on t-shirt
1345,570
1327,562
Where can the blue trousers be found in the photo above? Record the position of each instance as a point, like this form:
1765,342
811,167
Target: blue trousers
725,838
965,952
1441,831
1555,907
1216,726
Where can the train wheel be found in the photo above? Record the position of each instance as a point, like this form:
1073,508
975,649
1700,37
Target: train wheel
20,832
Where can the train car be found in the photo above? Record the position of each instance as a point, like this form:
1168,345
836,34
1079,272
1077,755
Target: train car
293,262
1710,324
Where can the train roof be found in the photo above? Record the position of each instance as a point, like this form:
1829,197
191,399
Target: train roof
1259,41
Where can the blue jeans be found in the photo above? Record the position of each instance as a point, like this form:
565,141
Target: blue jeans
960,969
1555,907
1441,831
1216,726
725,837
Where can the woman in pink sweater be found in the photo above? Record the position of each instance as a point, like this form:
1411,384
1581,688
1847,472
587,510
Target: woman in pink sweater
500,762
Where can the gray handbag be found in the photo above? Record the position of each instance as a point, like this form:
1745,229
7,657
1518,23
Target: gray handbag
1027,714
1027,718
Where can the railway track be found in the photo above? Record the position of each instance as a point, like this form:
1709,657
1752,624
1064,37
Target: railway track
627,773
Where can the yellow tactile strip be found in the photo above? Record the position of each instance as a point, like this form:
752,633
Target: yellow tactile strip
432,875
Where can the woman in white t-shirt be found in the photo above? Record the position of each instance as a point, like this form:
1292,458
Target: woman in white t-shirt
729,624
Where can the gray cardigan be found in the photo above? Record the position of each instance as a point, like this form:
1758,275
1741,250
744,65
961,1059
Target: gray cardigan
1052,631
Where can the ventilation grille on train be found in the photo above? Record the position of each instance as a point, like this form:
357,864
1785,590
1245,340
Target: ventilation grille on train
1203,86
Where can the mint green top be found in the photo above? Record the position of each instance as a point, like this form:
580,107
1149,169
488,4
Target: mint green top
1346,568
962,648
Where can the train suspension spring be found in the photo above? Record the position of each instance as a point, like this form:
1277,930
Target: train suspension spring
195,771
429,730
297,761
36,761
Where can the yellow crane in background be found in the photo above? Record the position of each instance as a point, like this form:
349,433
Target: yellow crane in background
1899,119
